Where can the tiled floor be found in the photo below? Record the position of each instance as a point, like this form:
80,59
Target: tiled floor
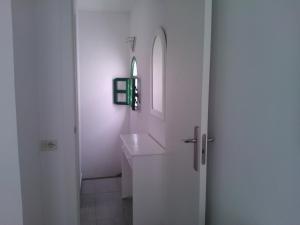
101,203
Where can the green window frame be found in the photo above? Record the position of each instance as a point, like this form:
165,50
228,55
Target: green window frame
127,93
120,92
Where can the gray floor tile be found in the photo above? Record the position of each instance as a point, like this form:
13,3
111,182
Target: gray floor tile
111,222
87,215
87,201
107,222
101,203
108,185
88,187
88,223
109,205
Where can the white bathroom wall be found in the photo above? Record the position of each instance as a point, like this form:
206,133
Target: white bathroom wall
10,187
253,166
103,55
146,18
27,109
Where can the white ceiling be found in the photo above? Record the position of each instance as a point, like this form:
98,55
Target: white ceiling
105,5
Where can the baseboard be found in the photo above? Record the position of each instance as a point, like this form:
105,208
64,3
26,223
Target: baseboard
98,178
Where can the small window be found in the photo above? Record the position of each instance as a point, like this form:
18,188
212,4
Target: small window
135,85
134,71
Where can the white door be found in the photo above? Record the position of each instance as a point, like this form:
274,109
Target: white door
254,164
187,83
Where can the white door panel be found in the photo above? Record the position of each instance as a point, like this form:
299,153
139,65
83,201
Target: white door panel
253,168
188,59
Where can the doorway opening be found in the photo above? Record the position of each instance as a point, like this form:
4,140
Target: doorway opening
103,56
129,107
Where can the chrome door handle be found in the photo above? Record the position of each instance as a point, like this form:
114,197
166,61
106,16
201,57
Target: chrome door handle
211,140
193,140
196,151
190,140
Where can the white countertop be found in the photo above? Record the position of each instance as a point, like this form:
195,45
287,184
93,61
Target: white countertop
141,145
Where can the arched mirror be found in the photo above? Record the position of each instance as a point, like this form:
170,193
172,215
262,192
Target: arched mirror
158,70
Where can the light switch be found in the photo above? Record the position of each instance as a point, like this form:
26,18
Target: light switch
48,145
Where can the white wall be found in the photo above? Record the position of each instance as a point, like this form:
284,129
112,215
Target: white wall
10,190
253,168
44,67
103,55
56,101
27,108
146,18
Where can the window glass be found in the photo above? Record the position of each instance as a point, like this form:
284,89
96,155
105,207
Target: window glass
134,68
135,82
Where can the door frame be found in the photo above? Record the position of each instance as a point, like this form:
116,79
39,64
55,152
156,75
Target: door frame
204,105
76,106
204,100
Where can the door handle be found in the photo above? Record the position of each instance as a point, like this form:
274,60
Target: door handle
191,140
196,151
210,140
